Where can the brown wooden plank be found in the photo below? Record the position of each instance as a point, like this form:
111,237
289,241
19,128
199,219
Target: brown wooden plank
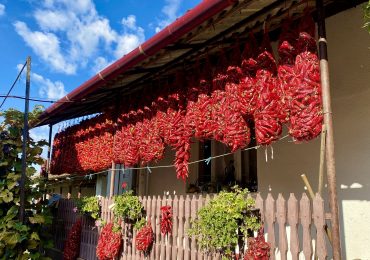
156,228
168,252
162,251
180,253
193,243
270,220
181,222
319,220
260,206
281,220
305,217
293,223
187,217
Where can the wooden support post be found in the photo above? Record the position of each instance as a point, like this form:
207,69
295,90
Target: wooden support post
328,121
111,187
49,151
322,160
308,185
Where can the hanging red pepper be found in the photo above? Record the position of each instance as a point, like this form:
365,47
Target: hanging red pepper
268,114
72,245
145,238
258,248
166,220
306,104
109,243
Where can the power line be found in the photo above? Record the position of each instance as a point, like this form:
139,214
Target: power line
35,99
15,81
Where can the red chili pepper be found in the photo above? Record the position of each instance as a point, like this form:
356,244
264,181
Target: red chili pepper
72,245
145,238
166,220
109,243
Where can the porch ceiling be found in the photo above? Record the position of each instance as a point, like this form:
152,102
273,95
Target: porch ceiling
218,31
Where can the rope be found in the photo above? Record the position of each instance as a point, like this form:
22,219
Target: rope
149,168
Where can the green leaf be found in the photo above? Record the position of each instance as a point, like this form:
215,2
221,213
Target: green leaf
6,196
35,236
10,238
39,219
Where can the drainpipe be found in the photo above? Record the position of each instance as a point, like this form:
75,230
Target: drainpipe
328,122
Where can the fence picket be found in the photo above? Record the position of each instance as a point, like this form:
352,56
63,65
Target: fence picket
293,223
281,220
186,227
259,205
305,217
319,220
193,243
270,220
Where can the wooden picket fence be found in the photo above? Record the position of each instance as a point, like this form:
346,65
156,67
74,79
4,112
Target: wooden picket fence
292,227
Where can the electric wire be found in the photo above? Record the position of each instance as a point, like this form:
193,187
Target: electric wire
15,81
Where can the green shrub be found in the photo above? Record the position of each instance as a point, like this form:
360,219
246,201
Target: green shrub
226,217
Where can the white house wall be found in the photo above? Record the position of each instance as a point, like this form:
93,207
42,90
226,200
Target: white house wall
349,60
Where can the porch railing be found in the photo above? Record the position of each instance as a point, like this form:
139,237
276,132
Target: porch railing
292,227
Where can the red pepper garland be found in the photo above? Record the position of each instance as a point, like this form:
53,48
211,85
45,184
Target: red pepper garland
145,238
306,111
72,245
166,220
109,243
258,248
268,114
206,104
287,49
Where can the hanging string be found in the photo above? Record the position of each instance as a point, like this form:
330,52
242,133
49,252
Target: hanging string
150,168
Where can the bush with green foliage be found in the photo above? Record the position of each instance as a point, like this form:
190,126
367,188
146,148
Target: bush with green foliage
21,240
226,219
128,207
88,206
367,16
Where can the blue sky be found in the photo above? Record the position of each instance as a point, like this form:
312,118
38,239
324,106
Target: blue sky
71,40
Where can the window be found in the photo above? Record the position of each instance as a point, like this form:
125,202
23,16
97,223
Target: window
205,170
249,165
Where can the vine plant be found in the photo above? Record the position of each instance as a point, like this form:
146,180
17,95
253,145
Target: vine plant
225,221
21,240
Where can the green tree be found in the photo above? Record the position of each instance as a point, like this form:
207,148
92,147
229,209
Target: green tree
367,16
21,240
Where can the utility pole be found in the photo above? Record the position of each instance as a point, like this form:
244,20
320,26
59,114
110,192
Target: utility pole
24,142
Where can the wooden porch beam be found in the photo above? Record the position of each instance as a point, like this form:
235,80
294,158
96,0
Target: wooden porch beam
328,122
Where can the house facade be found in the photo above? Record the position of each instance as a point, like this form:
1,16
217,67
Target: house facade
278,169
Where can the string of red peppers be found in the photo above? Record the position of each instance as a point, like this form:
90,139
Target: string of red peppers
72,245
258,248
145,238
109,243
217,104
166,220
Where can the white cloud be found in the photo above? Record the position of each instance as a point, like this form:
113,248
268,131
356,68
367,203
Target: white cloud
99,64
132,36
49,89
52,20
2,9
45,45
73,31
169,11
40,133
